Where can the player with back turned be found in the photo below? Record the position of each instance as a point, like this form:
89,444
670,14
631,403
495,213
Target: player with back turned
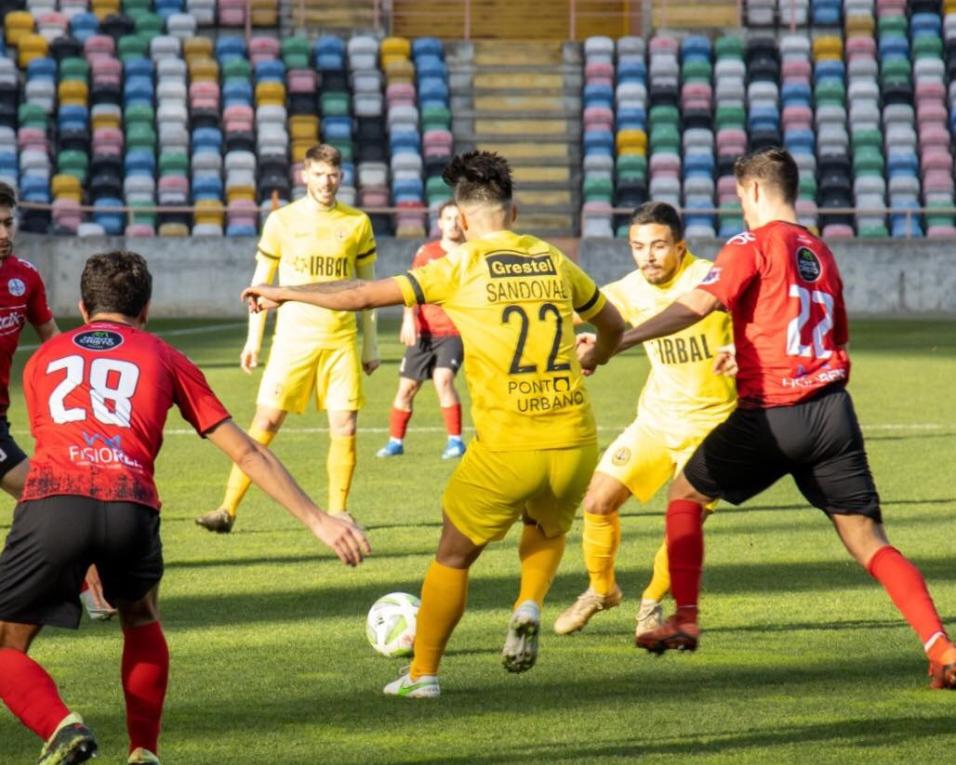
97,398
513,299
783,290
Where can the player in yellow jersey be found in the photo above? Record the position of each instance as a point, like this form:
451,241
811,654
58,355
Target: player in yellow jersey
688,392
513,299
315,239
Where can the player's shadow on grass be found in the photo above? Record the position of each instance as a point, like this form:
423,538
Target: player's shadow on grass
497,592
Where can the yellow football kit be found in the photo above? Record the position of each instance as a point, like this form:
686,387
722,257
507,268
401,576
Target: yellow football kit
513,299
314,348
683,399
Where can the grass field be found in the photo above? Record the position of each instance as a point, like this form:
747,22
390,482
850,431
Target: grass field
803,658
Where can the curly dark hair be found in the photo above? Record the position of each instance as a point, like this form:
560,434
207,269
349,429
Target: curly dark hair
8,196
116,282
479,176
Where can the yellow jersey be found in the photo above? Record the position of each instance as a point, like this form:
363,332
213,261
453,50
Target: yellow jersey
314,245
682,388
513,299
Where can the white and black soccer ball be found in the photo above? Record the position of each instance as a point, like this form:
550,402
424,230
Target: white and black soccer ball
390,627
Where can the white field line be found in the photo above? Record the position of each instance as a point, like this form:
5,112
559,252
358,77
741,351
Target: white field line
917,426
171,333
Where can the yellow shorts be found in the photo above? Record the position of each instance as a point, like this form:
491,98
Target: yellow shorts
490,490
296,369
645,458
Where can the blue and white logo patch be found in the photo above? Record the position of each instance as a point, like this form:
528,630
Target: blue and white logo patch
712,277
17,287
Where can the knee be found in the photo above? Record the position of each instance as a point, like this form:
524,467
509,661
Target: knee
269,421
599,503
343,425
137,614
681,489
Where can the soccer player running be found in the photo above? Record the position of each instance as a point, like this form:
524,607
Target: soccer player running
314,239
433,350
784,292
683,399
513,298
97,398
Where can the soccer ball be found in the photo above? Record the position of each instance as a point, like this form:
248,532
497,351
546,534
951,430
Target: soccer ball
390,627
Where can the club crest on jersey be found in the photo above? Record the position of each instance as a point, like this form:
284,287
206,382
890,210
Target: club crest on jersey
808,265
98,340
16,287
712,277
621,456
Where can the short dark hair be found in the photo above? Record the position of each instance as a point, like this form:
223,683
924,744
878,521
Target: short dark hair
479,176
773,166
323,152
660,213
8,197
116,282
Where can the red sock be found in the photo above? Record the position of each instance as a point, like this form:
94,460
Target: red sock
685,550
398,423
452,415
145,674
30,693
906,587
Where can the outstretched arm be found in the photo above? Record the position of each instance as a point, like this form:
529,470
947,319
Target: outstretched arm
345,295
610,327
266,472
686,310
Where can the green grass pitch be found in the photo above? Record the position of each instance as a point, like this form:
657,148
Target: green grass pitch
803,658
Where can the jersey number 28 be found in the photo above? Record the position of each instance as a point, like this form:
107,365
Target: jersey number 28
110,381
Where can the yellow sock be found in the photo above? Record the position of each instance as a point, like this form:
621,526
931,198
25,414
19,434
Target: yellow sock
540,557
238,483
602,537
341,467
661,581
444,593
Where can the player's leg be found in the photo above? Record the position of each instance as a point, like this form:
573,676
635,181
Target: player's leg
636,464
415,368
549,515
338,390
145,674
400,416
342,458
448,358
837,479
444,594
286,384
41,568
131,564
737,460
265,425
480,503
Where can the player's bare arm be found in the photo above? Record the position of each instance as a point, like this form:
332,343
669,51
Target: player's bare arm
249,356
610,328
262,467
344,295
368,320
47,330
682,313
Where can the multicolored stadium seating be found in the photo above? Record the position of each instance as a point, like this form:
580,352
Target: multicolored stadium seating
143,102
126,105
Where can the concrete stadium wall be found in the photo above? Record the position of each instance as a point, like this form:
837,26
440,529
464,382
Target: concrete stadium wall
202,277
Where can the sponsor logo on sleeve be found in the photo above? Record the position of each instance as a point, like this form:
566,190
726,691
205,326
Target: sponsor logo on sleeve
16,287
98,340
712,276
808,265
